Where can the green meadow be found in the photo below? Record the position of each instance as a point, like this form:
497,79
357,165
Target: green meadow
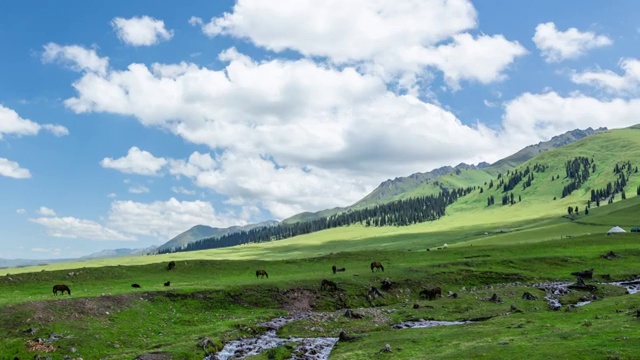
475,251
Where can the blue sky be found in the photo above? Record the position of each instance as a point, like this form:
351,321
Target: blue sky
123,124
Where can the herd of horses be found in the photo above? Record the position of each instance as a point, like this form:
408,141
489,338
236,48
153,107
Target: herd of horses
430,294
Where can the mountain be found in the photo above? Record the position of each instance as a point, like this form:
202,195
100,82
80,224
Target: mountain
111,253
431,182
597,170
10,263
555,142
200,232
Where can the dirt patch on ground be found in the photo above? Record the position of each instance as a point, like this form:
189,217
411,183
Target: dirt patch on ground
299,300
56,310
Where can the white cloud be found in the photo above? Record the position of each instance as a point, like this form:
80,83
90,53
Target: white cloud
541,116
21,211
139,189
557,46
165,219
135,162
183,191
141,31
629,82
76,57
71,227
45,211
127,220
322,130
12,169
12,124
112,195
390,39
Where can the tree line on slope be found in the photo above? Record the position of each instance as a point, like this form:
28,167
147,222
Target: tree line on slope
397,213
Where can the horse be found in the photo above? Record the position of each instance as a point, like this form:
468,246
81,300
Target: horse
261,273
586,274
336,269
135,285
328,285
431,294
168,283
171,265
61,288
377,265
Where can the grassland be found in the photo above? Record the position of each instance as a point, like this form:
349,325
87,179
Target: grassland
504,250
215,293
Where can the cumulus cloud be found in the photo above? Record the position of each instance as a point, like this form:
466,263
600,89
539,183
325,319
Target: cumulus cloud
164,220
609,81
129,220
542,116
45,211
391,39
135,162
12,124
75,57
12,169
556,45
141,31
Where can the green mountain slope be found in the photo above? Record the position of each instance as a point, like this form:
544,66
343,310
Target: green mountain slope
462,175
200,232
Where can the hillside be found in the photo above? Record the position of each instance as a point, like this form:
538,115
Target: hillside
531,190
200,232
462,175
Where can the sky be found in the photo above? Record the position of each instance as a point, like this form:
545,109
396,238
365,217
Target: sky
125,123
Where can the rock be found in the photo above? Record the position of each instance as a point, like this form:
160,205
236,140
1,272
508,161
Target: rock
386,349
73,350
344,337
503,343
416,306
529,296
495,298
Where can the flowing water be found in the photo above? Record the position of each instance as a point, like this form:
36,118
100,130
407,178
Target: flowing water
308,348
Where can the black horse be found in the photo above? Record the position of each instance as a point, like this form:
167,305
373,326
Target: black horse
336,269
376,265
135,285
168,283
61,288
171,265
261,273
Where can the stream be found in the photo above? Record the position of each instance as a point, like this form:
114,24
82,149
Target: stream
308,348
320,348
555,290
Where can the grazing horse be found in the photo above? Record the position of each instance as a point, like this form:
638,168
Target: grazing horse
135,285
61,288
168,283
431,294
337,269
171,265
377,265
328,285
261,273
586,274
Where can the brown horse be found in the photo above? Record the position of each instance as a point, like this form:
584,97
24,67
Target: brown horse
431,294
376,265
61,288
261,273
